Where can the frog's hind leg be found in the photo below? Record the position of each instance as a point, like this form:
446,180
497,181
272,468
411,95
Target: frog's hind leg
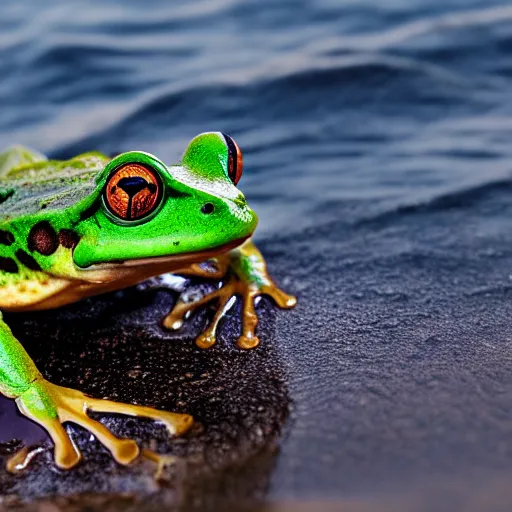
72,405
51,406
244,275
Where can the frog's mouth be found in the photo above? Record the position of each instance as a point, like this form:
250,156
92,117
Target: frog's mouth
169,263
187,257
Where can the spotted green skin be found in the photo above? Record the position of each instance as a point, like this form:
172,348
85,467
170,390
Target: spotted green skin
69,196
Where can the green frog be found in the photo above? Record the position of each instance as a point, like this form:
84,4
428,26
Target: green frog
77,228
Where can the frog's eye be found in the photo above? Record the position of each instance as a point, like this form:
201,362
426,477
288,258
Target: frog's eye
235,160
133,191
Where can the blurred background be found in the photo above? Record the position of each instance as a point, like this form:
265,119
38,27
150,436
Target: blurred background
376,137
360,102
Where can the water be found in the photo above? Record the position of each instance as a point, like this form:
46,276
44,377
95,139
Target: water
367,104
349,114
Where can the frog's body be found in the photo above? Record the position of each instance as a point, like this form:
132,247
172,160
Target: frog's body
30,185
72,229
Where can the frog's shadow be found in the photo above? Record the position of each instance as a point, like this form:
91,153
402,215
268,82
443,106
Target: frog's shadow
114,346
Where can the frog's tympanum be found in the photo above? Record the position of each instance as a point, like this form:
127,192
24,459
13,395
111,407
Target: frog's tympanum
90,225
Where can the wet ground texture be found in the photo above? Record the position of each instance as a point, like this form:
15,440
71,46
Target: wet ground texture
113,347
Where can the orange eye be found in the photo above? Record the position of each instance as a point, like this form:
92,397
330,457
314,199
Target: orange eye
235,160
133,191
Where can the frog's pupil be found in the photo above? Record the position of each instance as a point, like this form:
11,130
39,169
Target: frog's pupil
133,185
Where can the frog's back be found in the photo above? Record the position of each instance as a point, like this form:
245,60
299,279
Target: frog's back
30,183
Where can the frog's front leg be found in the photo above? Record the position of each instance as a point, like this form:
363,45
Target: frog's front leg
51,405
244,274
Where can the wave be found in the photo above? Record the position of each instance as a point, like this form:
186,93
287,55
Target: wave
464,199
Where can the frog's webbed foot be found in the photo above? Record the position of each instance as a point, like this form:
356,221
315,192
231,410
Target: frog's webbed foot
245,276
51,405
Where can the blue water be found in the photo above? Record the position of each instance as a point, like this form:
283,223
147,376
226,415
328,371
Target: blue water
363,105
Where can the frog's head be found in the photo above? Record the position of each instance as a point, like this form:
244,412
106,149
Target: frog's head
143,209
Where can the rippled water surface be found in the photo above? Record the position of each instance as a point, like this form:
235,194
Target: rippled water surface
366,104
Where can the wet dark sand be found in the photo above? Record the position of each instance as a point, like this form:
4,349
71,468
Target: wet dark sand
399,356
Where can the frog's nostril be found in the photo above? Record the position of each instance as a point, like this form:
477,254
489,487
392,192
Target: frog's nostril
207,208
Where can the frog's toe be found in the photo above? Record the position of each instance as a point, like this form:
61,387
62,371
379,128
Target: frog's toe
124,451
248,342
206,339
179,423
282,299
65,454
249,292
248,338
174,320
176,423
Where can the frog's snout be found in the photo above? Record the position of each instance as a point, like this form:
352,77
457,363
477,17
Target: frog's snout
231,216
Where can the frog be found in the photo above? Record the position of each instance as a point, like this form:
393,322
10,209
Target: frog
93,224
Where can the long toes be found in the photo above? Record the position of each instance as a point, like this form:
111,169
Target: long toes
67,457
66,454
123,450
282,299
177,424
206,340
172,322
21,459
248,341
